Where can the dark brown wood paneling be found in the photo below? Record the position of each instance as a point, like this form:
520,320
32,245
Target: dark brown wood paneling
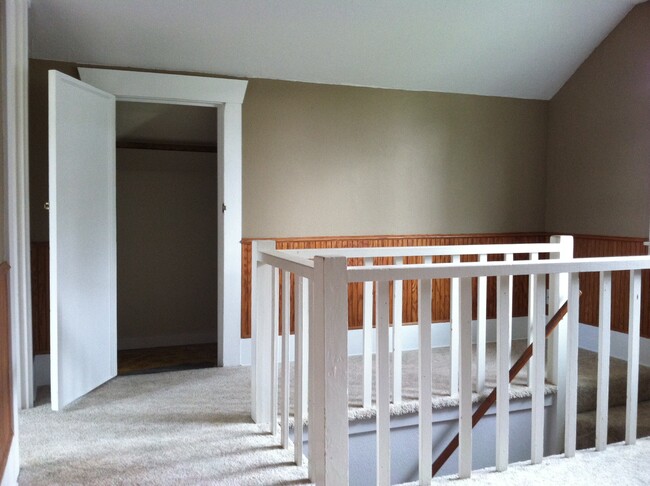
40,259
440,300
601,246
6,397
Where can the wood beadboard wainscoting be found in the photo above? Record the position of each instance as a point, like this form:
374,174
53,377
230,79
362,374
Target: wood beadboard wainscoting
6,396
440,299
585,246
40,260
602,246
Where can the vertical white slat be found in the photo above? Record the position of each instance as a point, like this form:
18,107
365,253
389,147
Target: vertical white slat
306,312
556,371
328,373
367,339
465,379
298,414
571,412
286,365
481,331
604,334
454,311
261,333
531,311
397,336
538,372
274,351
383,386
509,257
424,381
503,368
633,342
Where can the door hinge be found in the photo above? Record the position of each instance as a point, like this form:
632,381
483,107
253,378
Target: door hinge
223,208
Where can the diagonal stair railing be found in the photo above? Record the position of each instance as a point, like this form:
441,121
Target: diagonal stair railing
492,397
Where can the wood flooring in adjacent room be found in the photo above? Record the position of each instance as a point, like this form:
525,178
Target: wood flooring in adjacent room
170,358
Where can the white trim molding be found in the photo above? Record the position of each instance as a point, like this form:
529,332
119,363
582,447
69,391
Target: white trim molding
226,95
17,180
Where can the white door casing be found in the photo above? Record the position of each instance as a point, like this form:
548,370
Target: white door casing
227,96
83,319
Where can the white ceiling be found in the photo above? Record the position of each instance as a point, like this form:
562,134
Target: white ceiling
515,48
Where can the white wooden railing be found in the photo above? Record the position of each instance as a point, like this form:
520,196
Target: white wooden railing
321,344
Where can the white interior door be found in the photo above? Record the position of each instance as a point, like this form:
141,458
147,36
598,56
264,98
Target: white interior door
82,238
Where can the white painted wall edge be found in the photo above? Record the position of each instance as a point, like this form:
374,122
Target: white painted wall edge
440,337
440,334
10,476
588,339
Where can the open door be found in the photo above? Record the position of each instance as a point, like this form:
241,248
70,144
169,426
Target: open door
83,322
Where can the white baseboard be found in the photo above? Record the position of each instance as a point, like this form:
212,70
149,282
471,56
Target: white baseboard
10,475
162,340
440,336
588,339
42,361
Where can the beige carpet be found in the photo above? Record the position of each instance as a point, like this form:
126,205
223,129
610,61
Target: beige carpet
618,465
194,427
187,427
439,381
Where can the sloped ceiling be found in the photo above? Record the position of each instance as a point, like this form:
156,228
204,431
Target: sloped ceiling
513,48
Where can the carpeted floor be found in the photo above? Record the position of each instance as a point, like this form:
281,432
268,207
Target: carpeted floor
194,427
618,465
439,381
187,427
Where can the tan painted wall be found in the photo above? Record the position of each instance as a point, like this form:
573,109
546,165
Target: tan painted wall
166,248
599,138
337,160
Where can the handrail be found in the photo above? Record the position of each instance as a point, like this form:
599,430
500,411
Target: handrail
492,397
490,269
289,263
439,250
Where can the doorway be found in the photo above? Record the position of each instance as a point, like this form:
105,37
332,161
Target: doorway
167,237
87,153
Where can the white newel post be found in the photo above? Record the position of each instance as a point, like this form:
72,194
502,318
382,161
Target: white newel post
465,379
261,333
557,345
328,371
